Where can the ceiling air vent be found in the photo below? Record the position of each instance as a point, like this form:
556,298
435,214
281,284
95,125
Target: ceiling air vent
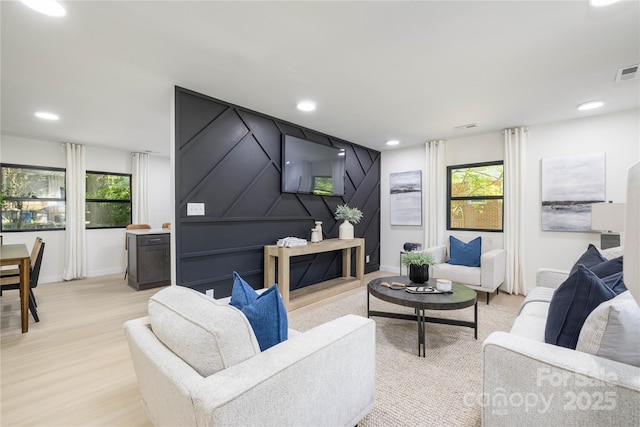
628,73
469,126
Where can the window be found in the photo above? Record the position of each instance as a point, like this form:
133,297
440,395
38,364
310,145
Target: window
108,199
32,198
475,196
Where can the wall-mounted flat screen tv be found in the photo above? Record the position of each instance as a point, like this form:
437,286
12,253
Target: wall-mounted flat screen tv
312,168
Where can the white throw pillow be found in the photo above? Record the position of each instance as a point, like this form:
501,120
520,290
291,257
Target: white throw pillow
612,330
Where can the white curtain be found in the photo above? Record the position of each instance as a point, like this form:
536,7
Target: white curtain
140,185
436,194
75,256
515,142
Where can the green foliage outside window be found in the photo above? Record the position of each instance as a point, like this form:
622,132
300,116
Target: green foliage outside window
34,198
475,199
108,199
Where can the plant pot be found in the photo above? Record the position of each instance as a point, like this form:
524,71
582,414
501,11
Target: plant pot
419,273
345,232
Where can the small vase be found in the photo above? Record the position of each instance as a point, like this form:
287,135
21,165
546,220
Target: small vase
345,231
419,273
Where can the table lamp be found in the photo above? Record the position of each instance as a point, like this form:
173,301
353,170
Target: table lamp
609,219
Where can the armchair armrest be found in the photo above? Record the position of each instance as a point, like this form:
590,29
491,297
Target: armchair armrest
439,253
492,268
325,376
550,278
526,382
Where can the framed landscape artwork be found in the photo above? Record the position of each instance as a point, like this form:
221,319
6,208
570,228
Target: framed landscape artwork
406,198
570,185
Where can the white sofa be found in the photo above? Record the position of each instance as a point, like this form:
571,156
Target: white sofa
530,383
486,278
198,363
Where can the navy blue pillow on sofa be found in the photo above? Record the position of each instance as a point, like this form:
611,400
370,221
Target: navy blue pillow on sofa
571,304
265,312
607,268
467,254
589,258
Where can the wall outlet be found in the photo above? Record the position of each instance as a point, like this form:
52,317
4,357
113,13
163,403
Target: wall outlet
367,259
210,293
195,209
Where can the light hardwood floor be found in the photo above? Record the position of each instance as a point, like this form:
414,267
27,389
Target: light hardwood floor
73,367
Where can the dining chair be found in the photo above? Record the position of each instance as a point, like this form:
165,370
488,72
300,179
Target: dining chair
10,279
126,240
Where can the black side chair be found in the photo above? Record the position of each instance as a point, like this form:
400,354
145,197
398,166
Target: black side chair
10,279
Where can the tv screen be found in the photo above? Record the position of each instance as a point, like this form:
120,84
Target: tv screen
312,168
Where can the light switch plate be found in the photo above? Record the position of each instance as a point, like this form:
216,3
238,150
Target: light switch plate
195,209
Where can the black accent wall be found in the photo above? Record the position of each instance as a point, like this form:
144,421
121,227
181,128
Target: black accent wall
229,158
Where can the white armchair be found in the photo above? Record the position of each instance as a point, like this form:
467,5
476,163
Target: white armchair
486,278
198,363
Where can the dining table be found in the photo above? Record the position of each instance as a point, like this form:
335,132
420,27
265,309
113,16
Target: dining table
18,254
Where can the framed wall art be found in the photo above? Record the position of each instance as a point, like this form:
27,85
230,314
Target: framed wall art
570,185
406,198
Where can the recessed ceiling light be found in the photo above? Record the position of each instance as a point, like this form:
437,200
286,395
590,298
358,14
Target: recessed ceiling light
306,105
601,3
47,7
393,142
590,105
47,116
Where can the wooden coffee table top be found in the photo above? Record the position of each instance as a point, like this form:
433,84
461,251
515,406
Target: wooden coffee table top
461,297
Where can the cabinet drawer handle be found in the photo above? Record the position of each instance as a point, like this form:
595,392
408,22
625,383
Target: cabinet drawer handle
155,240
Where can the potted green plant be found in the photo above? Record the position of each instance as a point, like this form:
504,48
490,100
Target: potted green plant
418,264
349,216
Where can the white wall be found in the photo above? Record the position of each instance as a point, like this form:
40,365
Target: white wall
616,134
393,237
105,247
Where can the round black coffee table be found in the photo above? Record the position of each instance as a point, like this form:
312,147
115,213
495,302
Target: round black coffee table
460,297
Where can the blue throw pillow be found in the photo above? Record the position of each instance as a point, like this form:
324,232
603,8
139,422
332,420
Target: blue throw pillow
242,293
571,304
615,282
607,268
265,312
589,258
268,318
465,253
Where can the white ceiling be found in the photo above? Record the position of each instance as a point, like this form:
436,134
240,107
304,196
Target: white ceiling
378,70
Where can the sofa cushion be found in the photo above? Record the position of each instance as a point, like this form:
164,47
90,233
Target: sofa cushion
206,335
532,321
572,302
457,273
467,254
265,312
589,258
612,330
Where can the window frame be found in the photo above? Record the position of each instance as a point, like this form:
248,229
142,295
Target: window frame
122,201
450,170
26,199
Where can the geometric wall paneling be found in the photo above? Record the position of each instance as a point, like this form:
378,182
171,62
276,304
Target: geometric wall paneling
229,158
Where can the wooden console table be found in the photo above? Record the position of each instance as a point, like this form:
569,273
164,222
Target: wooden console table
312,293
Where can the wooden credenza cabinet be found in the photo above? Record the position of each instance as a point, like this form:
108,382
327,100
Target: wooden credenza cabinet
149,259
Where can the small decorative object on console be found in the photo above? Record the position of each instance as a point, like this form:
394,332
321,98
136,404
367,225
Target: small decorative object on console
290,242
350,216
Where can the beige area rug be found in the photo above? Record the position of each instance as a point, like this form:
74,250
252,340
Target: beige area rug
439,390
